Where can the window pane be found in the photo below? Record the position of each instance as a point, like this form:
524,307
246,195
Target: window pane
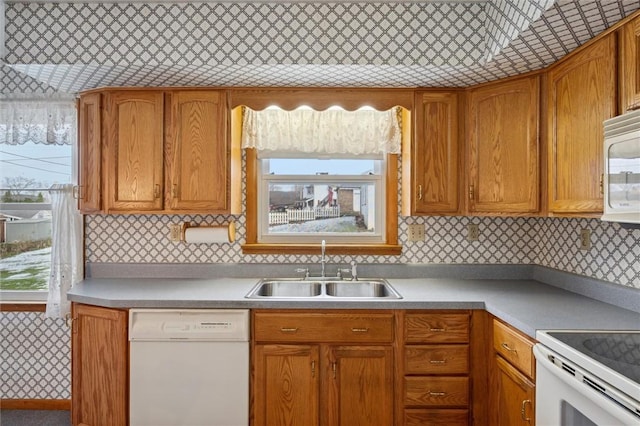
25,217
310,166
321,208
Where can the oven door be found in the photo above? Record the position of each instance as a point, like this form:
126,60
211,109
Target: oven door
563,398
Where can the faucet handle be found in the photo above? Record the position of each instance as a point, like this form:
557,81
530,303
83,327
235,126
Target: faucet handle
354,270
305,270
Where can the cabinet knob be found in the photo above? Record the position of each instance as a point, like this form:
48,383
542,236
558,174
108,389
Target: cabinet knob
359,330
438,361
289,329
437,393
420,192
471,192
156,191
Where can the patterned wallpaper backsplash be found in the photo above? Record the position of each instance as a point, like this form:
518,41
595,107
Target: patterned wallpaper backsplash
554,242
36,357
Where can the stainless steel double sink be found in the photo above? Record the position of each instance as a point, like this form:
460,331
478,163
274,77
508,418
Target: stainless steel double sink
322,288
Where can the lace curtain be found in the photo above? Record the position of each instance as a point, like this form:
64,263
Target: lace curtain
330,132
66,249
38,121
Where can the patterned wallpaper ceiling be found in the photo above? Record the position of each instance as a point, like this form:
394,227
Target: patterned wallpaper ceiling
69,47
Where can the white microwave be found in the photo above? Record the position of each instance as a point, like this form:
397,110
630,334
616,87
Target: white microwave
622,168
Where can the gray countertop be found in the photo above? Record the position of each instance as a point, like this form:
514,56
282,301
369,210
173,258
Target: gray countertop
528,305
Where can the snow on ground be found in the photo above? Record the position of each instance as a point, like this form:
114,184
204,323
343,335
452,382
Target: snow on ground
26,271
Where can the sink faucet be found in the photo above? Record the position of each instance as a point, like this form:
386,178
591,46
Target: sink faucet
323,260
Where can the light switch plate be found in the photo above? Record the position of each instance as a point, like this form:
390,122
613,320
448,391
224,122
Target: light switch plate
416,232
175,231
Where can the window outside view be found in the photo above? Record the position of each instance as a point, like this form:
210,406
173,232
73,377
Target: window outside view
26,172
318,196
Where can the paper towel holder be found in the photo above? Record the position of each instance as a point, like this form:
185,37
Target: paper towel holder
231,226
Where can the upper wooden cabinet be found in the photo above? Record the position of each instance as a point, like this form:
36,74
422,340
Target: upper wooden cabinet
154,151
502,147
197,151
134,151
435,161
581,95
629,65
90,153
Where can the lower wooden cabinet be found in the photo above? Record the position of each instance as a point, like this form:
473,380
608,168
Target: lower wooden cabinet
514,396
435,371
100,359
328,380
512,381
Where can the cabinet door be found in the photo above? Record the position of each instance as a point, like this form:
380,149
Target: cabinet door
135,150
99,366
359,385
436,154
503,147
513,397
198,151
286,385
629,66
90,154
581,95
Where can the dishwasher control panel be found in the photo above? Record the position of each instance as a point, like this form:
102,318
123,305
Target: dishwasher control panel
191,324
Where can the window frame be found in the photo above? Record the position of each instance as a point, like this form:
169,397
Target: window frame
389,247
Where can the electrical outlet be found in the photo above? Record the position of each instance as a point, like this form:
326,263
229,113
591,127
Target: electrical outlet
175,232
473,232
585,239
416,232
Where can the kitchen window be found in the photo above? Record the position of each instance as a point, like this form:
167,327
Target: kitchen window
322,176
37,146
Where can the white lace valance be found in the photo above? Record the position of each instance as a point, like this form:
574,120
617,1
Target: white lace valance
45,122
331,132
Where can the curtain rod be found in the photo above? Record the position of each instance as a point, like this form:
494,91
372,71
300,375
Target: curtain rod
30,189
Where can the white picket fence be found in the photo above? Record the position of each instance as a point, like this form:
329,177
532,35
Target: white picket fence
303,215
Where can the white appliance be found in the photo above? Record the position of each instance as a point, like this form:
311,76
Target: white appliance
587,378
189,367
621,181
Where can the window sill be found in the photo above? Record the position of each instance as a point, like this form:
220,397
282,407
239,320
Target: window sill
353,249
23,306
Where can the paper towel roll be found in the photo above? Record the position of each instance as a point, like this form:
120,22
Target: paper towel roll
207,234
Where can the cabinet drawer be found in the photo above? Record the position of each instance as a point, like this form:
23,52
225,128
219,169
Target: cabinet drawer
514,347
436,359
312,327
448,417
436,328
436,391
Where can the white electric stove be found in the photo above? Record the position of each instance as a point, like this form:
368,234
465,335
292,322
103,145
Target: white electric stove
586,378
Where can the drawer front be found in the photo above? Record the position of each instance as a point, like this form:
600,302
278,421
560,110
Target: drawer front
436,391
436,417
436,359
312,327
436,328
514,347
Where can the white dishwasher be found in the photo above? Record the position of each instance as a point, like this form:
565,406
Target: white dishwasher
189,367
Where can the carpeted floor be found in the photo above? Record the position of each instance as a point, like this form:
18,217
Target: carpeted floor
35,418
